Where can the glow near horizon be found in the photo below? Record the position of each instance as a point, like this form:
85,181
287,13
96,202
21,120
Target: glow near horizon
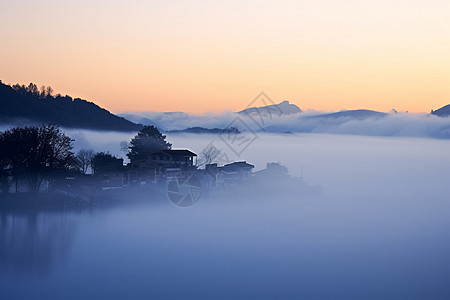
212,56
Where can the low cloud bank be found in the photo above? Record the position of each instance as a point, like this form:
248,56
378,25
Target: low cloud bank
396,124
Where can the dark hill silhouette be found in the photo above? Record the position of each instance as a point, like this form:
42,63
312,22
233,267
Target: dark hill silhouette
442,112
29,105
203,130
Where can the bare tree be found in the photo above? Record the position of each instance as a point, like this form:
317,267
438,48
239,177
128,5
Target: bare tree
209,155
84,159
124,147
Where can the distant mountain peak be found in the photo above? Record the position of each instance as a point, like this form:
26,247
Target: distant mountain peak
442,112
283,107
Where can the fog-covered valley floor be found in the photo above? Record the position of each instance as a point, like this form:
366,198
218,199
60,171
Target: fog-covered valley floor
379,230
344,165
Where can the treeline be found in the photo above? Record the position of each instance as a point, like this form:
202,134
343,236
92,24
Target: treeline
202,130
31,104
32,155
33,90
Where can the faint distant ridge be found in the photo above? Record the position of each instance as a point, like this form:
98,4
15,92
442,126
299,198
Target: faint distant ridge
138,119
442,112
31,105
358,114
202,130
281,108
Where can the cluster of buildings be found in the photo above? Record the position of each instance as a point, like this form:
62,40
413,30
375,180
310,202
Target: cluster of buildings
159,167
165,165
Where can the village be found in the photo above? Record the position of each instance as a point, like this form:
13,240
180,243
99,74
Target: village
165,165
159,169
50,168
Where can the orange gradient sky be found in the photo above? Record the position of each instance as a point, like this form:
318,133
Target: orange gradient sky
198,56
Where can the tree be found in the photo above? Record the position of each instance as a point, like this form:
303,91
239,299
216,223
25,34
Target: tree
84,159
49,91
148,140
43,93
209,155
33,89
36,153
104,162
124,147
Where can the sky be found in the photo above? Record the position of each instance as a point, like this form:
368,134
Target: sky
198,56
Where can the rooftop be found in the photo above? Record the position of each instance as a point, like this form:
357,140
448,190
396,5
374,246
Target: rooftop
240,164
177,152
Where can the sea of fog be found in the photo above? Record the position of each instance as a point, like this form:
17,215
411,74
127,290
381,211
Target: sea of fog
380,229
342,164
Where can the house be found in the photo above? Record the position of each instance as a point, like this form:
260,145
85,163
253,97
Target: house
241,169
273,170
162,165
227,175
110,171
211,176
235,172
